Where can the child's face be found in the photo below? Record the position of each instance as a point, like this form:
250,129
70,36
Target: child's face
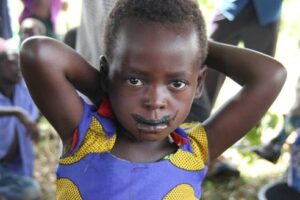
154,77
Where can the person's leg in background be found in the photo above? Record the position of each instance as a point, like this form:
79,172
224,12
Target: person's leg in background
15,187
261,38
272,150
224,31
247,29
228,32
264,39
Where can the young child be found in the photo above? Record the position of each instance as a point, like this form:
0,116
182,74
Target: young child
134,145
18,116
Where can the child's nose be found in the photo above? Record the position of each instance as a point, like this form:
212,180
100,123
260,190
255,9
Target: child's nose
155,98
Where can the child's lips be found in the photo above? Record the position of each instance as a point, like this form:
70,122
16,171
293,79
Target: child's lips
148,125
151,129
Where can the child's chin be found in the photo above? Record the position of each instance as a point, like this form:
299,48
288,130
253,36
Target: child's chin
150,136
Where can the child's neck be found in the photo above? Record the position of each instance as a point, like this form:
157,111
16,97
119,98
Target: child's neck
142,151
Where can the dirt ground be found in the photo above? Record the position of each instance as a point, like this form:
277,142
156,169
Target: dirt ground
47,154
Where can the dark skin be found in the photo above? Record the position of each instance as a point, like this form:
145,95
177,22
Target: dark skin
154,82
9,75
150,82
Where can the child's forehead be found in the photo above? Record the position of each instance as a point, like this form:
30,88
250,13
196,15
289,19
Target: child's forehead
165,36
156,46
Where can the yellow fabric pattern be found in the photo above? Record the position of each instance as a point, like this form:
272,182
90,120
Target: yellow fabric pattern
183,191
95,141
199,142
198,139
66,189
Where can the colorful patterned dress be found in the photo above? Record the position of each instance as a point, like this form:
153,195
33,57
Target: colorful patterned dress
92,172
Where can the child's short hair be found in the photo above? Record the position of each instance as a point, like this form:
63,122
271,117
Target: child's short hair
161,11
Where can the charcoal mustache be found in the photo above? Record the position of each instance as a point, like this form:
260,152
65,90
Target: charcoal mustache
142,120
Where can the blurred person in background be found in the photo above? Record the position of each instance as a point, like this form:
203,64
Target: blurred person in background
90,31
255,23
70,38
31,27
18,116
46,11
272,150
18,123
5,22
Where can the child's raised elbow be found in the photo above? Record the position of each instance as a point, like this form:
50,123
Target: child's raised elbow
30,51
279,74
29,48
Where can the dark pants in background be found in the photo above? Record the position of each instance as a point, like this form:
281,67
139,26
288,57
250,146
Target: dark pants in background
244,28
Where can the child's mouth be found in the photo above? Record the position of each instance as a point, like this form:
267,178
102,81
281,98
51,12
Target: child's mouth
151,128
151,125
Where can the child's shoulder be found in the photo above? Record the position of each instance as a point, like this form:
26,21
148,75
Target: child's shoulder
198,138
193,128
97,120
95,133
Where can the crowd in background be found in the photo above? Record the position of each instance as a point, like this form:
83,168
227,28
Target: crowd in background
254,24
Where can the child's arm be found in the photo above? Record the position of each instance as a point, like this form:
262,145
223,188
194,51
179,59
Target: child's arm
262,78
51,70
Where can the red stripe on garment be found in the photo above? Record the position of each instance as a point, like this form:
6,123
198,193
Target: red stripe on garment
74,139
178,140
105,108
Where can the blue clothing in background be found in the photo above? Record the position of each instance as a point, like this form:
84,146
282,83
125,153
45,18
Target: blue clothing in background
16,187
9,125
5,26
267,11
291,123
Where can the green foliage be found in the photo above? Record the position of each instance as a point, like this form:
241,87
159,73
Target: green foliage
208,5
269,121
253,137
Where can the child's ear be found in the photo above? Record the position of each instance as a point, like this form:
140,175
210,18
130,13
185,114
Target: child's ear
104,71
103,65
200,81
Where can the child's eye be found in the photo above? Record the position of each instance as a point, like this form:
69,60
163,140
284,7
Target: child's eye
134,82
178,85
